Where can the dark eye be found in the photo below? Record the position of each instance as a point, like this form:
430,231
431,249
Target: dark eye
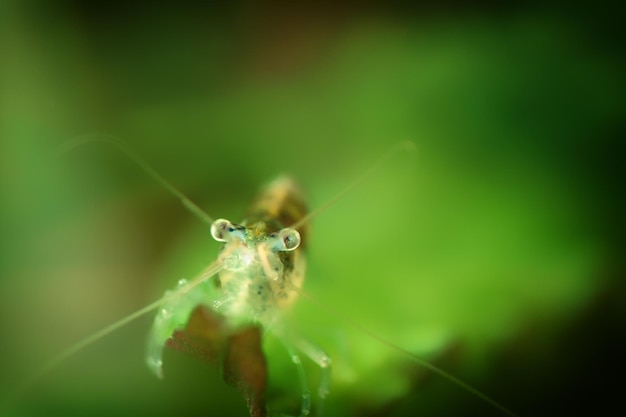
291,239
220,229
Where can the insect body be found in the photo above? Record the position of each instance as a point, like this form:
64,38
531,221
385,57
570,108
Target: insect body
260,272
265,260
263,268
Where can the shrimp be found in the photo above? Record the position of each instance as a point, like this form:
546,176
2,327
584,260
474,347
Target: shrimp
257,277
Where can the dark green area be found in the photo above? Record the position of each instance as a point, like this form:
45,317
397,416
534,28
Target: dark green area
495,250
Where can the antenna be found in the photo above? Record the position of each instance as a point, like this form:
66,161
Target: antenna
399,147
421,362
147,168
208,272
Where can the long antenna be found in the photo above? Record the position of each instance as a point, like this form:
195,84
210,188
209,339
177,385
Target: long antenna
421,362
207,273
147,168
401,146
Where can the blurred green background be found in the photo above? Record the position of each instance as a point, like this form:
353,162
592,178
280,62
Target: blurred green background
495,251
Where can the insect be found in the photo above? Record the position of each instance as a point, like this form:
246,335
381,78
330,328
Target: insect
261,272
261,269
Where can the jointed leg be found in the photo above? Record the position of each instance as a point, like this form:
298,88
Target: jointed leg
317,355
305,408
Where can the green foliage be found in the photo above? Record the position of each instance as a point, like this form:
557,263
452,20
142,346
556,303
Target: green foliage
479,250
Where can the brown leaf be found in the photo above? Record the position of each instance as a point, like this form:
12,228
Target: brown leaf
208,338
245,368
203,337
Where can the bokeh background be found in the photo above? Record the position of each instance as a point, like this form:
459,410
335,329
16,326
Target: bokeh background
495,250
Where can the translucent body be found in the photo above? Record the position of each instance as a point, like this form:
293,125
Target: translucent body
262,270
260,277
258,280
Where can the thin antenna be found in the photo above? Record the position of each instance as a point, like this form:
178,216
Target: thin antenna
84,139
208,272
404,352
402,146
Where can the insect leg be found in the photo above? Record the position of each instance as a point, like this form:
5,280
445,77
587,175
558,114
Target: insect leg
317,355
171,316
305,408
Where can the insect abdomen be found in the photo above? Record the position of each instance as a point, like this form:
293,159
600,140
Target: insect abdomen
280,204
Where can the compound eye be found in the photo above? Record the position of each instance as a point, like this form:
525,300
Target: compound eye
221,230
290,239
